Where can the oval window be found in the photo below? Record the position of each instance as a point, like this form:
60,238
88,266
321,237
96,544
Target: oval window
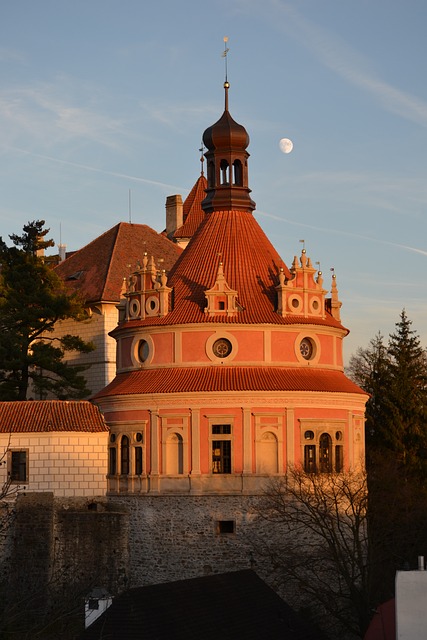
306,348
143,350
309,435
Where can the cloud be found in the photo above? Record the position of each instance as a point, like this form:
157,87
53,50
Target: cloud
45,113
338,56
84,167
342,232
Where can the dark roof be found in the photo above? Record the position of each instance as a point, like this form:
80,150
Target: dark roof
36,416
229,606
98,269
220,378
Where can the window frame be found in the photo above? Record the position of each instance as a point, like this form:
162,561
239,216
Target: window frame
10,466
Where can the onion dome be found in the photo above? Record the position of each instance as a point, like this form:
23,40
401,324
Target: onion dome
227,165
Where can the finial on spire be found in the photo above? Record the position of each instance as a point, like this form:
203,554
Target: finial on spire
226,83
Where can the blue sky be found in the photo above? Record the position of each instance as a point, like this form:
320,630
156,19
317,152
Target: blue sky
99,97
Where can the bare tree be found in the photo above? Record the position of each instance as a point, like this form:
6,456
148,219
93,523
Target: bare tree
323,553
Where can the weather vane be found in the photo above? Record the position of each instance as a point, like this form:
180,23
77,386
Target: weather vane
224,55
202,159
303,244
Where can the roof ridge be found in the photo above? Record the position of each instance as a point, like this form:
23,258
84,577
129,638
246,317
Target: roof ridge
111,257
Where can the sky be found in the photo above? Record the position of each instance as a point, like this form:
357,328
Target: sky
103,104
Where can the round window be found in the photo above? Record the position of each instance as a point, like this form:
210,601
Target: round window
138,437
309,435
222,348
338,435
306,348
143,350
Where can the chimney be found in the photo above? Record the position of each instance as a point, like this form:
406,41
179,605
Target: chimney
174,214
62,250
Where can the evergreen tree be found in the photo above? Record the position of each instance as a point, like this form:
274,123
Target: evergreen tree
395,376
32,299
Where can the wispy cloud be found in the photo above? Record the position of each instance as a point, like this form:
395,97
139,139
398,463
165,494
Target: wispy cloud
44,113
342,232
85,167
338,56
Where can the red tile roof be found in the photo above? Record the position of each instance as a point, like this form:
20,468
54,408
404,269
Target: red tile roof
251,266
97,270
219,378
50,415
193,212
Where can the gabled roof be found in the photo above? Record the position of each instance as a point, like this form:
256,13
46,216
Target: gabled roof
227,606
37,416
193,213
251,267
219,378
98,269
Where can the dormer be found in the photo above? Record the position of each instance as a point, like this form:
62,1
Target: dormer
221,299
147,293
303,293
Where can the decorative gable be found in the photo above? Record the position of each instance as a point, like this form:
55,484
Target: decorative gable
302,294
221,299
147,293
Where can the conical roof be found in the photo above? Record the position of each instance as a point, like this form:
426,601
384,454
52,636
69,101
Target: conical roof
193,213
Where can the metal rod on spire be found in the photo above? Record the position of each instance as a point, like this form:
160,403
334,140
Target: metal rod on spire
226,83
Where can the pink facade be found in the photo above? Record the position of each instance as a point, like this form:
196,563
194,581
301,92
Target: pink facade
230,366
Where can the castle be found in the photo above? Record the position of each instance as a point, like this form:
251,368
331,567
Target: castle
229,371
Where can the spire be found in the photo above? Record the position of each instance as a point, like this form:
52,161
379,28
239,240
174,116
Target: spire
227,163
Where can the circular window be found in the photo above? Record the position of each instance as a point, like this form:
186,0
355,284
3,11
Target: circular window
134,308
338,435
306,348
152,305
295,303
138,437
315,305
143,350
309,435
222,348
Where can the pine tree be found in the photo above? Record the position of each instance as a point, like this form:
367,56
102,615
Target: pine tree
32,299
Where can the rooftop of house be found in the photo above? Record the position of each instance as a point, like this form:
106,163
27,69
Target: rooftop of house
206,379
226,606
40,416
98,269
193,213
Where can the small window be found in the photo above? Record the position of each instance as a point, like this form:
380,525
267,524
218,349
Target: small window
112,437
310,458
221,429
309,435
224,527
18,469
124,456
306,348
93,604
138,461
112,461
138,437
339,458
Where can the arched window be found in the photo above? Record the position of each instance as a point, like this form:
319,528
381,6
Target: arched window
124,456
237,173
224,167
325,453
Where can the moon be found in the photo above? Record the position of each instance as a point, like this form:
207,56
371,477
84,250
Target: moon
286,145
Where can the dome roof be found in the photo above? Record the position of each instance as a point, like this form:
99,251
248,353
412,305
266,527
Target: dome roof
226,133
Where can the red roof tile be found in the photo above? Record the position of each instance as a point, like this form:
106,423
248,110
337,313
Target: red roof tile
193,212
97,270
219,378
251,266
50,415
